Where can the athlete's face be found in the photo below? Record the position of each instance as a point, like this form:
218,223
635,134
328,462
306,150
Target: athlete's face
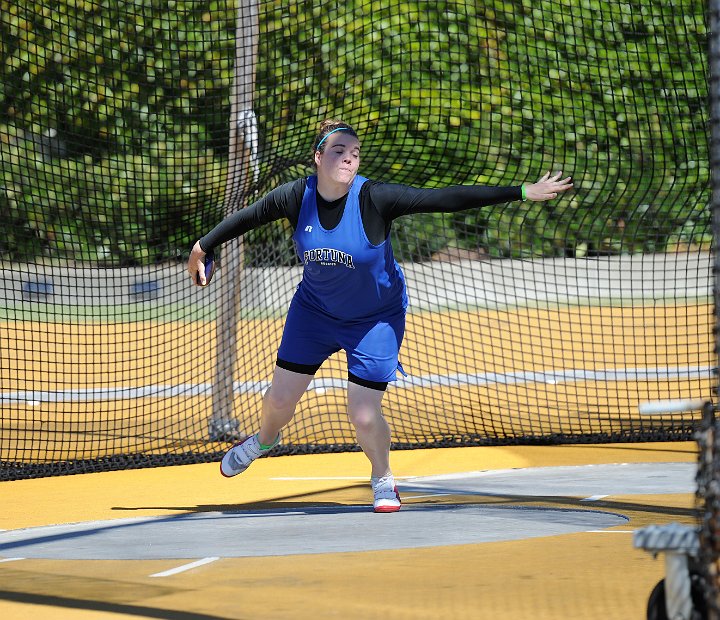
340,160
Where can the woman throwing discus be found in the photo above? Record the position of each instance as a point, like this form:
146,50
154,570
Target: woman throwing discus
352,295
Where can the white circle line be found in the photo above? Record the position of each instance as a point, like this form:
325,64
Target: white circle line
185,567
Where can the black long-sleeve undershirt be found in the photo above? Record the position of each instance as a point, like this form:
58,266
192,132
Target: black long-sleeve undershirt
380,204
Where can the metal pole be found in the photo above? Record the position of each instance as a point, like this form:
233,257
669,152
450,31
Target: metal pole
242,169
711,513
678,601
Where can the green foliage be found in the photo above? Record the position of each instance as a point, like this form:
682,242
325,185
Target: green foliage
113,125
114,119
500,92
418,237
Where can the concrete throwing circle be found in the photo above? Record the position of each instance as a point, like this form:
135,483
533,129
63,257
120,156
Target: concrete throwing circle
293,531
565,481
297,531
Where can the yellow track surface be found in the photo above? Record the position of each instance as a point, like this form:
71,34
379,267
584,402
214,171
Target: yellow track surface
587,575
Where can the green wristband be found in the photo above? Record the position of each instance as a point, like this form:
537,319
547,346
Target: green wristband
523,192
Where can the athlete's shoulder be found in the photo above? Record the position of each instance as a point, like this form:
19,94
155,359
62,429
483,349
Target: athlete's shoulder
297,185
290,191
382,186
379,190
369,185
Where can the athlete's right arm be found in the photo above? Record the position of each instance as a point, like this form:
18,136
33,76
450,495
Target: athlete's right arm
282,202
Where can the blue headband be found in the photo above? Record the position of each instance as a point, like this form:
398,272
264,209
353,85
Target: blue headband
329,133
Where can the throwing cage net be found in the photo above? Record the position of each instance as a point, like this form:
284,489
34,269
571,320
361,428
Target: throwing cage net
708,434
129,129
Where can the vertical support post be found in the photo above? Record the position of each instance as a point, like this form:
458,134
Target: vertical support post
714,151
678,601
242,170
710,546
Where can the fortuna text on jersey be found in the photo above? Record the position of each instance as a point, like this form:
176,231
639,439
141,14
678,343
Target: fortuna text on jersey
329,257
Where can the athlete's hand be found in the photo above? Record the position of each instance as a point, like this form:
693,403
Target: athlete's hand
548,187
196,265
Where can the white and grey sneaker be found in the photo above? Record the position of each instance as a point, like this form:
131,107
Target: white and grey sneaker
386,496
241,455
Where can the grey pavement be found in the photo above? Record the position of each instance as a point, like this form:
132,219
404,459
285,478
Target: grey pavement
331,529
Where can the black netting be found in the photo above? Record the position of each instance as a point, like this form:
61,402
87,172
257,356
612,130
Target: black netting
129,129
708,438
708,503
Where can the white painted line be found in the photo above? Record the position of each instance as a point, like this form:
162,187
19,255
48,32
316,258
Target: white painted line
11,559
661,407
188,390
184,567
593,498
429,495
610,532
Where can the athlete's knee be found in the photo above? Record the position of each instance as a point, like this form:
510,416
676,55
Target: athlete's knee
365,416
280,399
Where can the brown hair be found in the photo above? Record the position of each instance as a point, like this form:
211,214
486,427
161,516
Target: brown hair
326,127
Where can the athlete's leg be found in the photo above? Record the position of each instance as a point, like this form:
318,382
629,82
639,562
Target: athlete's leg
280,401
305,345
278,409
373,432
372,350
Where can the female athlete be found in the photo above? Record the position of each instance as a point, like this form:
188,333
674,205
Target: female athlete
352,295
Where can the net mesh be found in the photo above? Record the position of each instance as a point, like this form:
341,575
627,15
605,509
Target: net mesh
708,437
129,129
708,503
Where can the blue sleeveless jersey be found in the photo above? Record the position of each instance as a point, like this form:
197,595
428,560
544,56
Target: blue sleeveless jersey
344,274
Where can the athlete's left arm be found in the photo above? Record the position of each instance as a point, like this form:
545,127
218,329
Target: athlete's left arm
393,200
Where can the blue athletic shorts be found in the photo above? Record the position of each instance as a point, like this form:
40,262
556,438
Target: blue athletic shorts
372,347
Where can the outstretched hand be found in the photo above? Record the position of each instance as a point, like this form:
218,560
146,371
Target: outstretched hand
196,265
548,187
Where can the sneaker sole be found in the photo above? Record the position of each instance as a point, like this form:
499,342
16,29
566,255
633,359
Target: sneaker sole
385,509
227,475
390,508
